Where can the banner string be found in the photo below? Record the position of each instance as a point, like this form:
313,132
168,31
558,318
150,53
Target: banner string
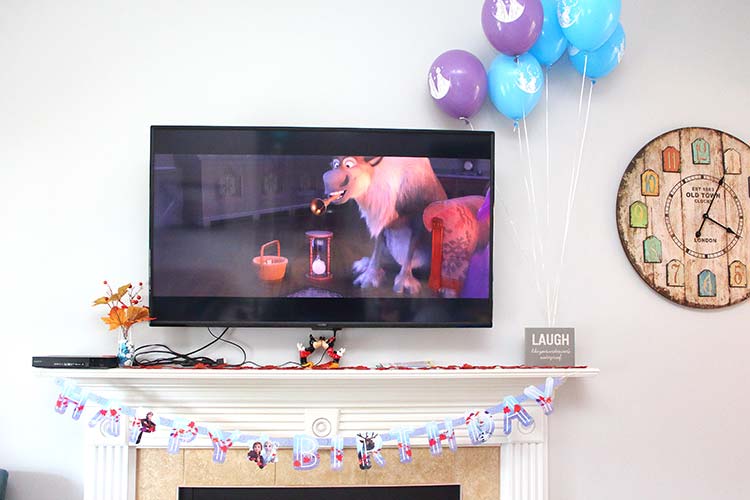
70,388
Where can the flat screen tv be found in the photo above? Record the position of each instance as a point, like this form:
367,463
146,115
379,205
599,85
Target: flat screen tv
320,227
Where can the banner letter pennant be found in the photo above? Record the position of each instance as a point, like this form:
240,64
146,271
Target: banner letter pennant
544,399
513,410
183,433
74,395
435,437
337,453
109,419
481,426
404,445
221,444
305,452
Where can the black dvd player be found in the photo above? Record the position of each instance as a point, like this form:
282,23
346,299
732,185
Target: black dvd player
74,361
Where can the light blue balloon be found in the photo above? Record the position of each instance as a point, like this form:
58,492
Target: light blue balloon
515,85
587,24
551,44
602,60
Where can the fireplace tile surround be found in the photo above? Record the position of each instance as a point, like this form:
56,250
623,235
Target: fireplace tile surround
287,402
475,468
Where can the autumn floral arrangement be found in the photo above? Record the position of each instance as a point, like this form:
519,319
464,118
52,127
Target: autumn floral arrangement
126,308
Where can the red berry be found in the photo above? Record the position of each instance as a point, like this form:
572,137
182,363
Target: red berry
105,282
130,286
138,297
140,283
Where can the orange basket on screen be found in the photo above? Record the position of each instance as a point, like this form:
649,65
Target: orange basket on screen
271,267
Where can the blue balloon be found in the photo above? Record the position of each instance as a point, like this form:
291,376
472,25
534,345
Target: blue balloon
515,84
551,44
602,60
587,24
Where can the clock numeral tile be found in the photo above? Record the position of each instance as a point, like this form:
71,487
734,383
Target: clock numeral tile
670,159
706,284
649,183
732,162
675,273
737,275
638,215
652,250
701,152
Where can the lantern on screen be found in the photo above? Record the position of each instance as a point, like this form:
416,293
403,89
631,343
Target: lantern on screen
319,267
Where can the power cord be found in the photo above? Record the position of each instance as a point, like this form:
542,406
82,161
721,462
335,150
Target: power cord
175,358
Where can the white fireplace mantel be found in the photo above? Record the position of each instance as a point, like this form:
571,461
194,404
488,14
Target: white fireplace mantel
282,403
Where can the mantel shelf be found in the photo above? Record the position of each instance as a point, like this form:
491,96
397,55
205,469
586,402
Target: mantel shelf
178,389
188,376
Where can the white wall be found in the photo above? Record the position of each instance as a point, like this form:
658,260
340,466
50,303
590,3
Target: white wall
80,83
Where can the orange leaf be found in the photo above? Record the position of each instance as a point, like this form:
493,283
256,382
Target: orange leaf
117,318
100,301
136,314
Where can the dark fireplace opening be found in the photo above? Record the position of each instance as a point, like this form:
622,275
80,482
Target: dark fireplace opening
433,492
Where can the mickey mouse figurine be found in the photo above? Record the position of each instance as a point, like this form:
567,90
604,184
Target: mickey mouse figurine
317,343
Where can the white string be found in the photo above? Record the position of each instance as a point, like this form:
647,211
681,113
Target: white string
569,204
536,239
533,264
547,191
514,232
520,145
583,83
546,139
466,121
577,173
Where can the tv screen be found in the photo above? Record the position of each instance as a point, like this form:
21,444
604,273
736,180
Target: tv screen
320,227
437,492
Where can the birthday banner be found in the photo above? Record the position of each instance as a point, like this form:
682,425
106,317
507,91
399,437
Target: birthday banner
263,449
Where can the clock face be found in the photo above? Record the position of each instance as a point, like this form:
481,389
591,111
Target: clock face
711,238
681,215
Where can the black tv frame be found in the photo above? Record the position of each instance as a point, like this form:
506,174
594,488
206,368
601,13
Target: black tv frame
319,313
373,492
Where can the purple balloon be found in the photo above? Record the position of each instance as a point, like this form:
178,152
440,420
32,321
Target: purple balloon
458,83
512,26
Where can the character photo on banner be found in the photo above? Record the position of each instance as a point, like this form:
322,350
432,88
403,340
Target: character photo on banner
145,424
256,454
270,452
368,449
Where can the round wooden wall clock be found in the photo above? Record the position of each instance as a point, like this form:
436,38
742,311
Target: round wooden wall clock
682,214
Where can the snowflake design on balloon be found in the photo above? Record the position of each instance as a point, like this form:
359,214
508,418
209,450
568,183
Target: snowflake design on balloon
568,12
529,79
507,11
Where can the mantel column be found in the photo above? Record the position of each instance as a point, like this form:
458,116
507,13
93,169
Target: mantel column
523,464
109,466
